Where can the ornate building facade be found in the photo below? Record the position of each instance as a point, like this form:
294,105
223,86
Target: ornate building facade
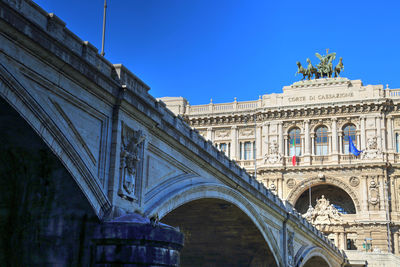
297,143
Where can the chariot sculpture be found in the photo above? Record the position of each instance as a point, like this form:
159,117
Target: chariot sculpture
324,68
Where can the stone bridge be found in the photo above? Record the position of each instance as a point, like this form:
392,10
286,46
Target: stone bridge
87,153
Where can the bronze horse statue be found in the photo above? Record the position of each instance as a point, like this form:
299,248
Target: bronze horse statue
312,71
339,67
302,70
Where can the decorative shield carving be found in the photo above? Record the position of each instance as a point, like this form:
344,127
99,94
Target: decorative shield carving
354,181
291,183
373,193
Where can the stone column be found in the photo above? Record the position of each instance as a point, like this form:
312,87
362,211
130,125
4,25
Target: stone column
337,240
364,185
343,241
312,145
285,146
307,137
378,132
280,187
280,137
241,152
340,142
396,242
259,141
265,138
210,134
334,136
389,123
235,143
383,133
362,132
132,238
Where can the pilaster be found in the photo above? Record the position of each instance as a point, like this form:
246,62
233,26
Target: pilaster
362,133
335,156
280,137
235,144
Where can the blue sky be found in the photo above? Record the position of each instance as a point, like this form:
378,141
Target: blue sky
221,49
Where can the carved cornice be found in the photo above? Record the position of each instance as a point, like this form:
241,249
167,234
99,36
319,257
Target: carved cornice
295,113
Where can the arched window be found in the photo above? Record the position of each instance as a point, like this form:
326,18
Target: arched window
294,142
349,131
321,141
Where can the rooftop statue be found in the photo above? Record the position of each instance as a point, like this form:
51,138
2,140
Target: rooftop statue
324,68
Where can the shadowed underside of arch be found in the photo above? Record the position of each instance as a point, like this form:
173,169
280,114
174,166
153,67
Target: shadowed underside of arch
180,197
14,90
217,233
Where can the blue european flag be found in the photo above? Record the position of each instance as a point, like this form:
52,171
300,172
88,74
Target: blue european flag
352,148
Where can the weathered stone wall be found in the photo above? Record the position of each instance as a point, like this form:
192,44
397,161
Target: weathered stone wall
44,217
45,220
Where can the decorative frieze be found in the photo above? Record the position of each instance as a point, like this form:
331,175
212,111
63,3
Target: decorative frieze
222,134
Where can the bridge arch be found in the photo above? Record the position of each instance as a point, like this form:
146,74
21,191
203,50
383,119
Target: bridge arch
312,256
218,194
295,194
14,89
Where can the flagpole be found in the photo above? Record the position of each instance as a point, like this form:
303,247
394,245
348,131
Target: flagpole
255,146
104,28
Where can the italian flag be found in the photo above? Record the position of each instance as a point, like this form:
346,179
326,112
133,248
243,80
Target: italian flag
294,153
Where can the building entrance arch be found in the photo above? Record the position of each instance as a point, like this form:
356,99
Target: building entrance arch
329,182
336,196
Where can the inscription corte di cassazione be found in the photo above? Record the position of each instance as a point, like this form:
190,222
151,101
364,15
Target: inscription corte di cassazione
320,97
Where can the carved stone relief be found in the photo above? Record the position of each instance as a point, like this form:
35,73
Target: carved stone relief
323,213
274,156
272,187
222,133
373,197
397,122
246,132
371,151
132,147
354,181
291,183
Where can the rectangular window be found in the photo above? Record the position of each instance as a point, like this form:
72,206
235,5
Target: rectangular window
397,143
223,147
247,150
